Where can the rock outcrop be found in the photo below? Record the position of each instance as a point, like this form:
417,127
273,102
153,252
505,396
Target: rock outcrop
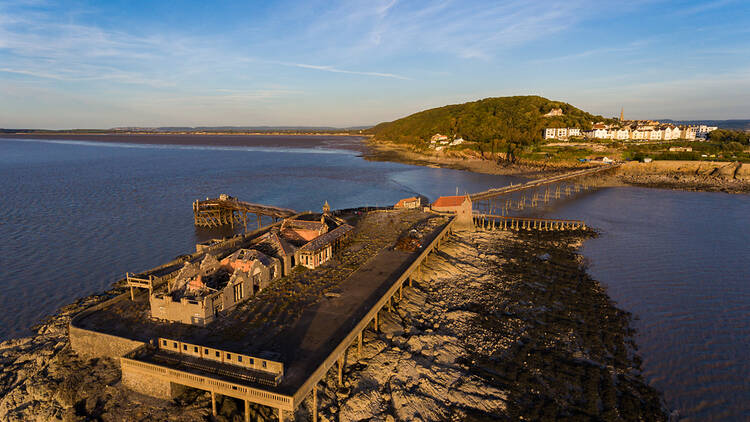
732,177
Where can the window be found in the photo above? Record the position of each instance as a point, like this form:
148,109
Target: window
239,358
174,344
252,361
263,364
218,355
205,351
163,342
229,357
184,347
195,349
238,293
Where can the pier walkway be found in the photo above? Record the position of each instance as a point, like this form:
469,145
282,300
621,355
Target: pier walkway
491,193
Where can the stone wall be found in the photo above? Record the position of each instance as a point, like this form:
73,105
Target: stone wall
148,385
90,344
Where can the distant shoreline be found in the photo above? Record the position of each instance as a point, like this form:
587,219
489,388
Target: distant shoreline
705,176
288,140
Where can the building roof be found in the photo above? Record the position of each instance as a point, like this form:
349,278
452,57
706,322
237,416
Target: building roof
403,202
450,201
250,255
274,244
325,239
304,224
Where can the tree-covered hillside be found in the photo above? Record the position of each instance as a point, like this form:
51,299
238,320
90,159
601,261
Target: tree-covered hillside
518,120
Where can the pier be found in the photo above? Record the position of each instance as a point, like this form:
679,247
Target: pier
226,210
159,359
492,193
497,222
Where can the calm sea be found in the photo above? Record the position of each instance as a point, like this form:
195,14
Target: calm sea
75,216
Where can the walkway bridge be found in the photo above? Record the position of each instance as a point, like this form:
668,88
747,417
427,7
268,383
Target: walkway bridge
492,193
490,212
226,210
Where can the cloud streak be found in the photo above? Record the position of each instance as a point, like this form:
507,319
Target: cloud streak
349,72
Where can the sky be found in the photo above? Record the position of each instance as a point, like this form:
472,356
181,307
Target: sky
102,64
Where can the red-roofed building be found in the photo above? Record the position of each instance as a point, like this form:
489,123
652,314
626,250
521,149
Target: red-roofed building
460,205
412,202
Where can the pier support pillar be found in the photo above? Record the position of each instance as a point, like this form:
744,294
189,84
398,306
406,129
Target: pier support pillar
315,403
213,403
341,371
401,291
376,321
259,223
132,295
281,415
247,411
359,345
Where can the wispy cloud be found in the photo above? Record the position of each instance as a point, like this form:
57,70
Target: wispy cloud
350,72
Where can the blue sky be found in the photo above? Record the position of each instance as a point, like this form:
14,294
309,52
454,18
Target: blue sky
156,63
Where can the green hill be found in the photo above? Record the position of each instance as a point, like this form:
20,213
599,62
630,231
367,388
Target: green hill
518,120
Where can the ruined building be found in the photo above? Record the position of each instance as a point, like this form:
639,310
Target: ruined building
200,292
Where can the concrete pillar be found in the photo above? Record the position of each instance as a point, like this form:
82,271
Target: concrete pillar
390,304
401,291
341,371
359,344
132,295
247,411
376,321
281,415
213,403
315,401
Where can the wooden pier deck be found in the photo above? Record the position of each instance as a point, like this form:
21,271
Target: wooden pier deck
226,210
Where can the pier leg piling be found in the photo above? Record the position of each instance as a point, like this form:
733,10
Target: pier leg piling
315,403
213,403
341,371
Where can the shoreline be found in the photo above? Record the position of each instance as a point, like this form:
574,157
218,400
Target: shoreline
480,303
697,176
310,141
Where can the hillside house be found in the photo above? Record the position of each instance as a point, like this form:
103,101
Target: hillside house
413,202
437,138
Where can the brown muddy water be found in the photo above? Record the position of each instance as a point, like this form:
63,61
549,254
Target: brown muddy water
76,215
